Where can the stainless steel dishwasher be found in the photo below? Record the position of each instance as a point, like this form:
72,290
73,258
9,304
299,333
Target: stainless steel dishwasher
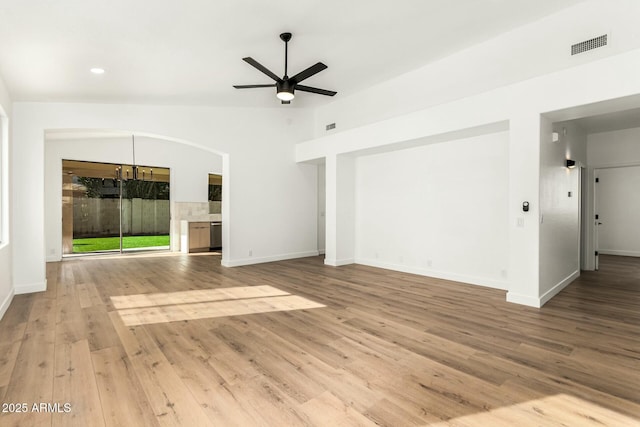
216,235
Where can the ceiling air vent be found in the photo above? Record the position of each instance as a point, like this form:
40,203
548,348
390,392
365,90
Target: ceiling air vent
591,44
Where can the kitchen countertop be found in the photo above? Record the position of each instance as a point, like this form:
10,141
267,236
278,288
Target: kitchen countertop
203,218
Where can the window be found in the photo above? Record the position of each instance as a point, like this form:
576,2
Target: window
215,188
215,193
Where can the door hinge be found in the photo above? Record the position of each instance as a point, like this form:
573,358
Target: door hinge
597,216
596,253
597,179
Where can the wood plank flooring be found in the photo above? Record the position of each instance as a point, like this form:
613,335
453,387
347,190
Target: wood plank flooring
378,348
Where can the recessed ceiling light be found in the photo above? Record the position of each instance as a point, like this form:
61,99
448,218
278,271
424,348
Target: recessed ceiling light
97,70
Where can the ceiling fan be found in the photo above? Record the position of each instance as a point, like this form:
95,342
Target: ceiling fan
286,86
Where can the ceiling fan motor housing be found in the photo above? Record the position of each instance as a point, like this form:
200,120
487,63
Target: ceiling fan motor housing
285,86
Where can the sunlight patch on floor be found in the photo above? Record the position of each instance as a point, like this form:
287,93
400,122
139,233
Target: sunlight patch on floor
145,309
556,410
195,296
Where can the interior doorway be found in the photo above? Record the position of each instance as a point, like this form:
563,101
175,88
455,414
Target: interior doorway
109,207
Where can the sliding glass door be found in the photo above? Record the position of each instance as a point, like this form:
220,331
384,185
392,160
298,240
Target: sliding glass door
145,208
114,208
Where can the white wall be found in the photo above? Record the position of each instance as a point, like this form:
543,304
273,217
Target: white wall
270,207
439,210
340,214
560,213
189,166
6,277
615,148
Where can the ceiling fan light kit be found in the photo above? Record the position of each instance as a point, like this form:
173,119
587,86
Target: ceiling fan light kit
284,90
286,86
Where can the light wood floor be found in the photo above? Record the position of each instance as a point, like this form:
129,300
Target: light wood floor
387,348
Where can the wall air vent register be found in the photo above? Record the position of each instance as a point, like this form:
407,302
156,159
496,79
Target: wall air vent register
590,44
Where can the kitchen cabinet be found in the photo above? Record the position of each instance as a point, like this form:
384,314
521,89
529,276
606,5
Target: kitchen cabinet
197,237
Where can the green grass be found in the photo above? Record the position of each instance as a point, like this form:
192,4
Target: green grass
97,244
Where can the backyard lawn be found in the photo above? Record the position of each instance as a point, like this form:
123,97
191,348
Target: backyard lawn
97,244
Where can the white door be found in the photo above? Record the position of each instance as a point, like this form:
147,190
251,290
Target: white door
617,209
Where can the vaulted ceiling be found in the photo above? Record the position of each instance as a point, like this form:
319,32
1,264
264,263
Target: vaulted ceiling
189,52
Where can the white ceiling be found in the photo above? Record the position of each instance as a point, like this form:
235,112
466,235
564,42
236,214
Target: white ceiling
189,52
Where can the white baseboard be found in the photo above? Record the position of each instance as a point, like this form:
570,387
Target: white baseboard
338,262
557,288
473,280
54,258
5,304
523,299
542,300
260,260
29,289
618,253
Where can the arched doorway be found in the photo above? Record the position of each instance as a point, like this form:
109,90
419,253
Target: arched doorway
183,165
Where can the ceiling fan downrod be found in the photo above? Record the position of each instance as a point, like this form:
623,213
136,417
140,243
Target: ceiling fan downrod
285,37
